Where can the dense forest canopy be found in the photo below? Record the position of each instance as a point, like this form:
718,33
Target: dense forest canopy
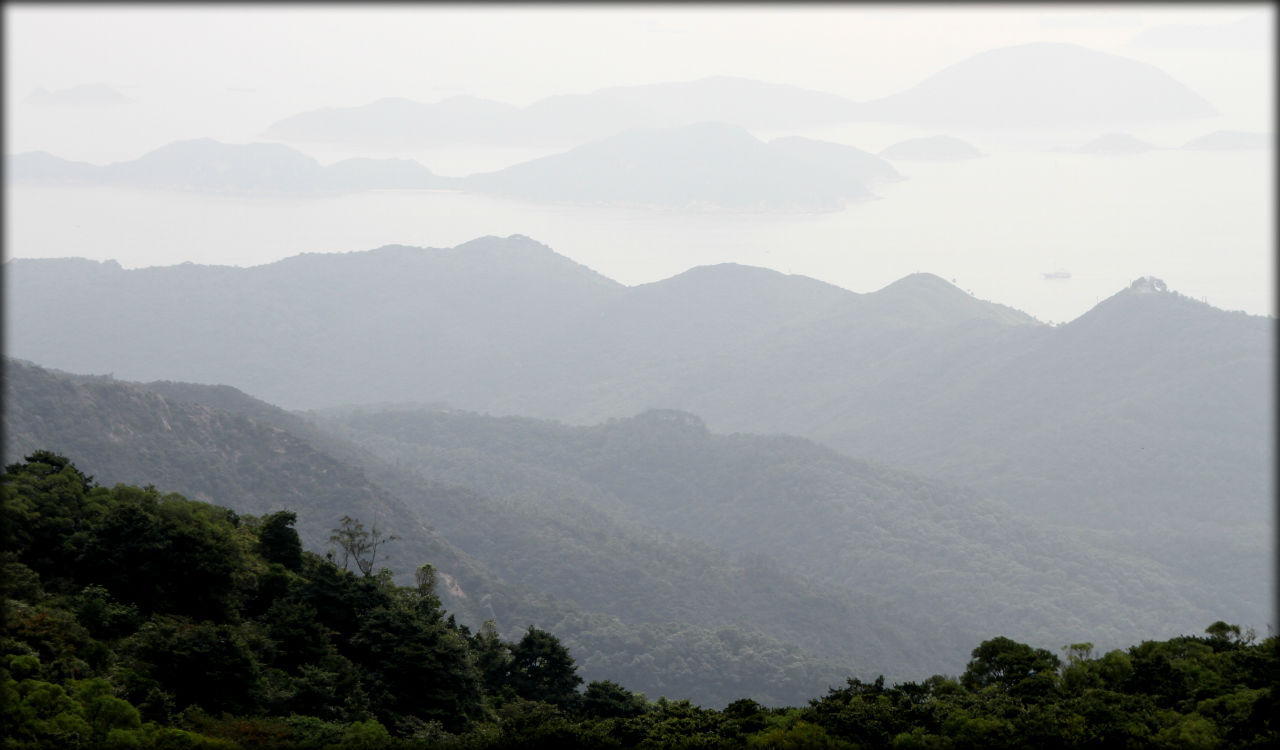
139,618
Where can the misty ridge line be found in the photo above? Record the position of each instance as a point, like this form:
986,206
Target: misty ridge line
233,167
925,283
1144,421
675,144
706,164
703,166
737,481
1028,85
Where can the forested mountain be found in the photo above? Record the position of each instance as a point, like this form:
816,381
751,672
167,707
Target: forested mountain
463,324
669,616
686,563
213,629
402,317
125,434
1146,421
918,374
936,552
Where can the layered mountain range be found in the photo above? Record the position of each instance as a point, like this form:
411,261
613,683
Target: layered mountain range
1141,431
685,620
1025,86
706,165
686,563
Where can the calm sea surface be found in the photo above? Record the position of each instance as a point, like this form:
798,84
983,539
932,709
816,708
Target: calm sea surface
1202,221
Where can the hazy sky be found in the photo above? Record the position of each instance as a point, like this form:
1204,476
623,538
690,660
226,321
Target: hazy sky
230,71
235,69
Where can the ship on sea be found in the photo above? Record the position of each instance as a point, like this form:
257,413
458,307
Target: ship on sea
1059,274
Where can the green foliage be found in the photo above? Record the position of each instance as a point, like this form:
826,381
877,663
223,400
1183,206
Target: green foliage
542,670
308,655
174,650
278,542
606,699
799,735
414,667
358,545
1013,667
165,554
572,511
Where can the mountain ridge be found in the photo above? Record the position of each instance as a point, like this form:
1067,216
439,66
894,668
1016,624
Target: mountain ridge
1128,89
170,430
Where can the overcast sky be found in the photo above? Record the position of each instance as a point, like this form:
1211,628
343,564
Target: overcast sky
230,71
234,69
336,54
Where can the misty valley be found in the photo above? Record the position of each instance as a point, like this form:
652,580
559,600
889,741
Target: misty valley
414,385
731,491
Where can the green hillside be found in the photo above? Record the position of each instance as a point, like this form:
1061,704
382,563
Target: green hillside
254,464
139,619
948,563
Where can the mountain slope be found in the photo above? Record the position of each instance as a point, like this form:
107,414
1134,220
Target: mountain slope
746,348
548,532
672,639
123,434
408,321
1145,420
924,548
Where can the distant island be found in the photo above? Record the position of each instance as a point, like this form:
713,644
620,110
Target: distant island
698,166
704,166
1231,140
1026,86
1041,85
567,120
205,164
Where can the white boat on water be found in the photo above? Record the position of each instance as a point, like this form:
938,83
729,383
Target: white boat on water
1057,275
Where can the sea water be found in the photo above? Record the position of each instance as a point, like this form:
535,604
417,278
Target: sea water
993,226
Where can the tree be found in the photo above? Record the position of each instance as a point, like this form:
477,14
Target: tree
355,543
542,670
607,699
415,668
492,657
1013,667
278,541
46,514
1222,632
